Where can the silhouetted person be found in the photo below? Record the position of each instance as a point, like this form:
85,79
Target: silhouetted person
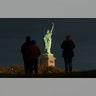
68,46
24,52
34,53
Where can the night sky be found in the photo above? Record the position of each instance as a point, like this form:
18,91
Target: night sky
13,32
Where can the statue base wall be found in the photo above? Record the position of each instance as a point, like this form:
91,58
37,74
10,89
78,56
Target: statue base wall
47,60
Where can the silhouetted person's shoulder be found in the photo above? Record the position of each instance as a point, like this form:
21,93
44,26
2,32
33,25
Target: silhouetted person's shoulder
72,45
33,51
23,48
25,45
66,44
63,43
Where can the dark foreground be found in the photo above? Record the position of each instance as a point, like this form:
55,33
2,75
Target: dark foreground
83,74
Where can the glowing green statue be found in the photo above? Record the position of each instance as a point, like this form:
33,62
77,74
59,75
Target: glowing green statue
48,40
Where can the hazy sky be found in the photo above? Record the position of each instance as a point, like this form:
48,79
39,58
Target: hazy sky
83,31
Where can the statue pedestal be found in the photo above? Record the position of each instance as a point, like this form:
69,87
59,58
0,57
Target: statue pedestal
47,60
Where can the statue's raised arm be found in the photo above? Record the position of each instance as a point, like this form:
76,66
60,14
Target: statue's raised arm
52,27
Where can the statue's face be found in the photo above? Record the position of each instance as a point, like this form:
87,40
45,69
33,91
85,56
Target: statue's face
47,31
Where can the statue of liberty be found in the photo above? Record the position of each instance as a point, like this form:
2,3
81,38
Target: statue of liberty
48,40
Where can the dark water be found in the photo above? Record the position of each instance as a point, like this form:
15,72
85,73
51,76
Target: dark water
82,31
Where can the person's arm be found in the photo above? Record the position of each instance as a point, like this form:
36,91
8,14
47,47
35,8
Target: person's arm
22,49
73,45
52,27
62,45
39,51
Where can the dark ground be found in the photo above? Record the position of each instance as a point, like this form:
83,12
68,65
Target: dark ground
49,72
84,74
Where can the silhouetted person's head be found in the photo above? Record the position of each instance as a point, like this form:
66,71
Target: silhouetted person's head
28,39
33,42
68,38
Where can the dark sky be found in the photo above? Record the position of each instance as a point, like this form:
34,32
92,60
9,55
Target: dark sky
13,32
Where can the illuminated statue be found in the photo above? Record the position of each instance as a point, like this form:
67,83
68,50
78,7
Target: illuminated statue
48,40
